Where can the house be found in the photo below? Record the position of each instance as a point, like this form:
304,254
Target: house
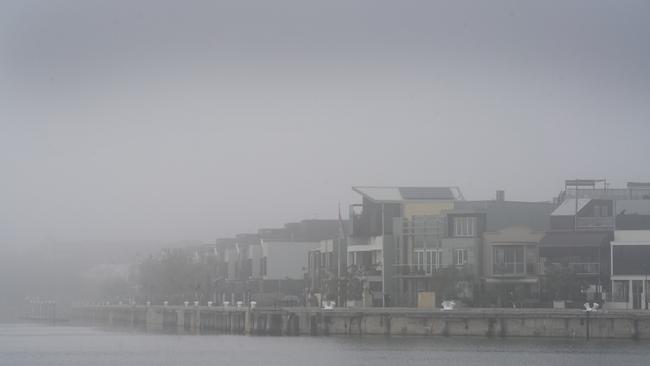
374,249
285,259
511,266
445,253
328,273
575,253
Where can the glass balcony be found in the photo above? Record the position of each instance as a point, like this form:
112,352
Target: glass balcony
585,268
595,223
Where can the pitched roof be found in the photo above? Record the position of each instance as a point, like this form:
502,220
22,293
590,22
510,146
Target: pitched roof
398,194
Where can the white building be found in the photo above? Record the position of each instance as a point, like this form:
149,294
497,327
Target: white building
630,269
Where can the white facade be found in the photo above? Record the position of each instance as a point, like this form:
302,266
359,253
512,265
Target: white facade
285,260
629,291
255,256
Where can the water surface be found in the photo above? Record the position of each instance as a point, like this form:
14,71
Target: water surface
27,344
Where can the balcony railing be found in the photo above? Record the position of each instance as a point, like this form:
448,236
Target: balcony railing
595,223
584,268
515,269
415,270
367,269
610,193
508,269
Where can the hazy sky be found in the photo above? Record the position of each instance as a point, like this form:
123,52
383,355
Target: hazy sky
161,120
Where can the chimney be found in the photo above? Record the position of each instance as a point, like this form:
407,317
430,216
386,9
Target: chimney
501,195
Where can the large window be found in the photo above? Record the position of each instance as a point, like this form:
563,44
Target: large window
427,261
460,257
508,260
464,226
326,260
620,290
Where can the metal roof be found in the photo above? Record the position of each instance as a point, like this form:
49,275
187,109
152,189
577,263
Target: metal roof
397,194
572,239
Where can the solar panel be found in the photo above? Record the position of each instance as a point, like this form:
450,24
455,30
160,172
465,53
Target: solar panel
426,193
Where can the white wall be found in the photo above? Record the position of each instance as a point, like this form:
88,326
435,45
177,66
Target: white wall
255,254
287,259
632,235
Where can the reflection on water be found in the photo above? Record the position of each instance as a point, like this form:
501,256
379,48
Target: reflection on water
25,344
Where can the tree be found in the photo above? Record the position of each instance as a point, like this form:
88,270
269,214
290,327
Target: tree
560,283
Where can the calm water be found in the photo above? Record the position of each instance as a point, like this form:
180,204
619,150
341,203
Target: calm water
42,345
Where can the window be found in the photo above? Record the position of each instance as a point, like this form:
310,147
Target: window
464,226
326,260
601,211
419,260
508,260
620,290
263,266
460,257
427,261
433,257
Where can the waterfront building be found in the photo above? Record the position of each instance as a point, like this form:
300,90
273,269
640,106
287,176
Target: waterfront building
511,267
327,267
377,223
575,253
446,253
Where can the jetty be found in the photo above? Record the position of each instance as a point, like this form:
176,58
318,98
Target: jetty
294,321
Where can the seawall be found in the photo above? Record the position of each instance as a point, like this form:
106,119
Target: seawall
373,321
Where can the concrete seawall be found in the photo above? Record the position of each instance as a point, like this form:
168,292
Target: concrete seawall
373,321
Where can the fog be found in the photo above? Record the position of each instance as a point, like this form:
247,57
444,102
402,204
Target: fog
132,125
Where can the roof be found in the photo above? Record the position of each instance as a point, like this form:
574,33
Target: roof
568,207
398,194
572,239
305,231
504,214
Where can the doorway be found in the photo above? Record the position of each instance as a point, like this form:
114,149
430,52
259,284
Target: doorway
637,294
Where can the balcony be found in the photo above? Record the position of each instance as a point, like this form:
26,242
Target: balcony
595,223
367,270
412,270
584,268
506,269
